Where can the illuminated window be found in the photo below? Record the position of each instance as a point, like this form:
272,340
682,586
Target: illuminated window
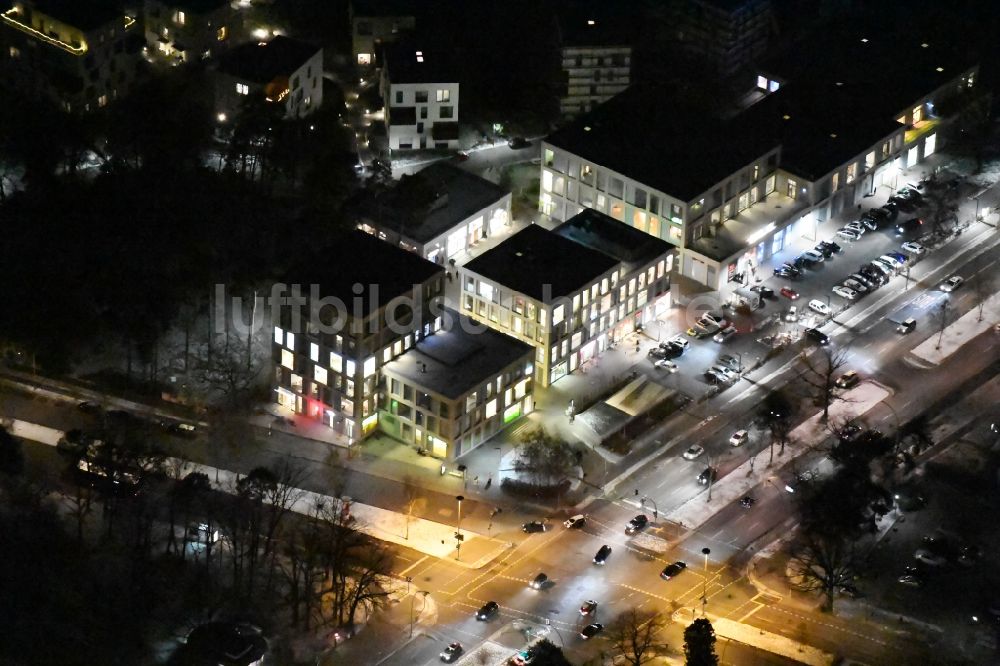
852,172
491,408
869,160
336,362
370,367
287,359
313,351
242,89
15,52
279,335
444,95
350,368
290,340
221,34
558,314
762,82
179,17
319,373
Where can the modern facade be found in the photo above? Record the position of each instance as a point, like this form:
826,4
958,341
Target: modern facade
730,191
596,61
188,30
375,23
457,387
421,98
283,71
728,34
78,55
370,305
556,291
439,212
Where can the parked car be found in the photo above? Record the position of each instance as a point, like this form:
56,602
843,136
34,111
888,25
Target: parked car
930,558
693,452
670,350
849,379
899,257
518,142
856,285
817,336
820,307
845,292
730,362
824,250
792,314
739,438
868,283
575,522
887,265
912,580
664,364
788,270
832,245
534,527
765,292
714,377
525,657
185,430
602,554
814,256
725,334
869,223
489,609
657,354
589,607
90,407
680,341
452,652
909,226
730,375
708,475
672,570
539,581
856,227
789,293
636,524
591,630
848,234
913,247
952,283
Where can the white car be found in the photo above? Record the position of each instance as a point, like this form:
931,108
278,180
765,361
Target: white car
856,227
680,341
845,292
792,314
813,255
665,364
693,452
854,285
819,307
739,438
849,234
952,283
915,248
725,334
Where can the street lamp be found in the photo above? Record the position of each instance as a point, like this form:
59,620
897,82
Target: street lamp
458,533
489,528
423,592
656,511
704,581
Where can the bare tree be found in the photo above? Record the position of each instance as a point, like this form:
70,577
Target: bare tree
983,288
941,317
413,496
819,373
634,635
823,562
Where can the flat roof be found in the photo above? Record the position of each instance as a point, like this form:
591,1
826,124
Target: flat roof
362,8
85,16
262,62
455,361
649,135
631,247
429,203
409,61
534,258
385,271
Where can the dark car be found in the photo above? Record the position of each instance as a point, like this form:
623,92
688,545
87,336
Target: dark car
708,475
826,251
603,554
765,292
489,609
657,353
909,226
589,607
89,407
832,245
533,527
452,652
541,580
518,142
788,271
671,351
672,570
120,416
817,336
591,630
863,279
185,430
636,524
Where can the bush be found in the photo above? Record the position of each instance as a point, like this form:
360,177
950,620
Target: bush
528,490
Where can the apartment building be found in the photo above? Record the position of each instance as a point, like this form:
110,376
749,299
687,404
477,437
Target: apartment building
730,35
439,212
188,30
457,387
555,291
596,60
78,55
730,191
375,23
283,71
371,303
420,90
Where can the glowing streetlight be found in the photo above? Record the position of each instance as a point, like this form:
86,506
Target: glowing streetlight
458,534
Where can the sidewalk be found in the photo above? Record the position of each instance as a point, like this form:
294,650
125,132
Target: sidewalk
965,329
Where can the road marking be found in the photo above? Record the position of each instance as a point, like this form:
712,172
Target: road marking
757,607
409,568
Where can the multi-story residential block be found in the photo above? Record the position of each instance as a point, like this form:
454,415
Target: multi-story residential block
421,98
78,55
732,190
367,306
555,291
284,71
377,22
596,61
438,212
729,34
189,30
457,387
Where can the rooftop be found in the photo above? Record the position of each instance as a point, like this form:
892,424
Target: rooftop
85,16
455,361
680,150
429,203
541,264
382,8
409,62
631,247
355,258
262,62
734,235
197,6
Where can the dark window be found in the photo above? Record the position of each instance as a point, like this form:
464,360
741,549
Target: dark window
399,97
364,28
420,128
423,113
447,112
421,96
